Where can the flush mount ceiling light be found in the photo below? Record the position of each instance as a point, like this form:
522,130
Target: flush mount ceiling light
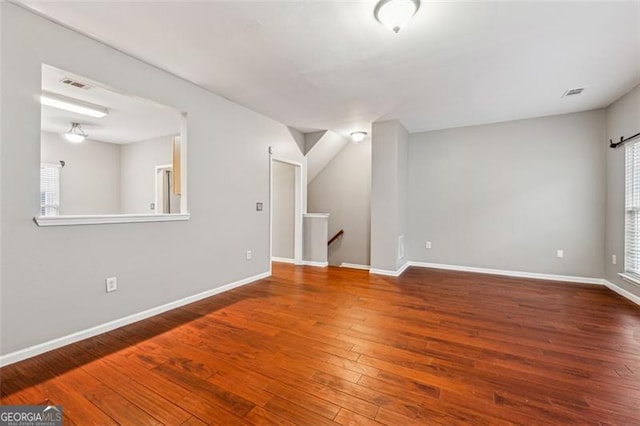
358,136
73,105
75,134
395,14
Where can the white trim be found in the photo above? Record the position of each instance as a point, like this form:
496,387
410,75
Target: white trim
282,260
519,274
389,273
270,209
355,266
110,218
184,175
317,215
630,278
622,292
158,185
58,165
38,349
299,206
314,263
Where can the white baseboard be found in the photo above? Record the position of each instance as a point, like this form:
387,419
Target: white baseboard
38,349
355,266
314,263
551,277
388,272
282,260
519,274
622,292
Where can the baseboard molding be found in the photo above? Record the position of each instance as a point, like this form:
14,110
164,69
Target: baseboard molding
38,349
283,260
355,266
388,272
314,263
622,292
549,277
518,274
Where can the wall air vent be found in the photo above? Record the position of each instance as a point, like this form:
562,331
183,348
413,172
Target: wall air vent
573,92
75,83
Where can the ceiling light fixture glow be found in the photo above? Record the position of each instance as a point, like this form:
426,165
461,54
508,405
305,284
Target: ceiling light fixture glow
358,136
73,105
75,134
395,14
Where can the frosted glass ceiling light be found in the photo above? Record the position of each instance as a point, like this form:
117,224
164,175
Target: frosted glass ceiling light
73,105
358,136
75,134
395,14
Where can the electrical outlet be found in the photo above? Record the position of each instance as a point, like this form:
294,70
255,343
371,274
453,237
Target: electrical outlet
427,245
560,254
112,284
258,206
249,254
614,259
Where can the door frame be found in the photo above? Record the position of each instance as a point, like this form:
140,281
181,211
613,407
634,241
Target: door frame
298,209
158,179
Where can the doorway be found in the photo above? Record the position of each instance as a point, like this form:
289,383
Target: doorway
286,211
166,202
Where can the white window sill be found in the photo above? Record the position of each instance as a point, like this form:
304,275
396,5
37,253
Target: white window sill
111,218
630,278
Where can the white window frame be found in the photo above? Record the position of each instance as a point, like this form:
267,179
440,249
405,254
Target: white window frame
632,214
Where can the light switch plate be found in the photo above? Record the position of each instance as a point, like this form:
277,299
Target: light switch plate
259,206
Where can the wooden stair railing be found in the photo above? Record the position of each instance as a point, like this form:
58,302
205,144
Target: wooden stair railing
335,237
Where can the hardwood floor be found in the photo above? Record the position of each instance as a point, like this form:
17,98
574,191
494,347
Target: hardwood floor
313,346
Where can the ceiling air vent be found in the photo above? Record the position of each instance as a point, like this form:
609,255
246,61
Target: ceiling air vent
75,83
573,92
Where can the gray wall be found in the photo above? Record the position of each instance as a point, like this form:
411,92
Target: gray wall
623,119
138,163
343,189
90,179
55,276
283,199
508,195
389,144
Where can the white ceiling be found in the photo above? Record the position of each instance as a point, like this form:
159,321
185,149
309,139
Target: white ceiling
130,118
330,65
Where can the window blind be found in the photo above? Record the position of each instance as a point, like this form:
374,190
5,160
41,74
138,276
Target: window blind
49,189
632,210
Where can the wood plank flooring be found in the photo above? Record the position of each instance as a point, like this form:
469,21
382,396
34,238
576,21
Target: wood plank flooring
314,346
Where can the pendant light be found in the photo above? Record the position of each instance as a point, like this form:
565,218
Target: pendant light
395,14
75,134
